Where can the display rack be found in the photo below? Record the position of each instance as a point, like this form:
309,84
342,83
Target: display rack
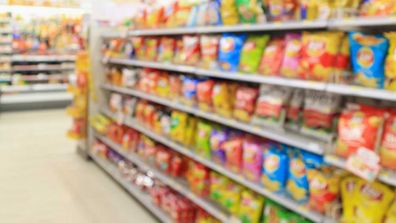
284,136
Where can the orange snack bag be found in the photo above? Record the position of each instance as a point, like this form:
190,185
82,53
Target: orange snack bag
388,145
272,57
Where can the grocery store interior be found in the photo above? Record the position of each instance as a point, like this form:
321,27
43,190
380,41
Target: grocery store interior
198,111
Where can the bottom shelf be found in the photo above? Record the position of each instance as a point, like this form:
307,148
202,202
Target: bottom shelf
35,98
143,198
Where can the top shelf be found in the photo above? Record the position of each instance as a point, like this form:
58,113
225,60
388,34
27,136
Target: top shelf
270,26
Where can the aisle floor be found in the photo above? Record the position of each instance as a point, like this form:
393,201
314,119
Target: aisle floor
42,179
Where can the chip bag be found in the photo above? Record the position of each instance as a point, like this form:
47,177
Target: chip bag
223,98
166,49
291,61
198,177
178,125
245,101
368,54
218,136
275,168
213,15
297,184
390,65
252,158
175,87
204,94
152,45
319,54
343,63
250,11
388,144
348,188
202,142
359,127
271,60
234,152
209,51
232,197
230,50
191,50
229,12
391,214
218,185
251,53
295,108
251,206
139,47
282,10
189,90
179,52
378,8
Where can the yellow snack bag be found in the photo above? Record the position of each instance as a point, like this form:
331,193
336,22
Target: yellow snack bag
391,215
178,126
390,63
189,135
348,188
229,12
372,201
223,95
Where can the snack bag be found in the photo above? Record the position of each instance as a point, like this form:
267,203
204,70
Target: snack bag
343,63
391,214
209,51
182,13
139,47
378,8
388,144
163,89
373,200
309,10
166,49
250,11
218,136
359,127
204,94
390,65
275,168
320,114
252,158
198,178
319,53
191,50
202,144
152,45
295,108
272,57
232,197
291,61
213,15
163,159
189,90
297,184
368,54
179,52
271,105
229,12
223,97
282,10
251,53
178,125
234,152
218,185
230,50
190,131
250,207
175,87
245,101
348,188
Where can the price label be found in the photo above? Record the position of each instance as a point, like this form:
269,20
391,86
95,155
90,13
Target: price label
364,163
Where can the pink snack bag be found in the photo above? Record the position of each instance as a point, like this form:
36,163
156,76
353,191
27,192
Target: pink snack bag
291,61
252,158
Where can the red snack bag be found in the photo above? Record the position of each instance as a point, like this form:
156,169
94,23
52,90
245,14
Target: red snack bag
204,94
294,111
179,51
130,140
191,50
272,57
245,101
163,159
178,166
209,51
152,45
359,127
388,145
199,178
234,153
176,85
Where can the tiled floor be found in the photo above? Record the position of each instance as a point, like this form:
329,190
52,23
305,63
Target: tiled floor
42,179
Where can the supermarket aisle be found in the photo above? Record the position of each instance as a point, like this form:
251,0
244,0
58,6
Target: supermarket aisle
44,180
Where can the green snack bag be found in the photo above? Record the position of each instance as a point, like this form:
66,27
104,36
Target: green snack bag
251,207
202,144
250,11
251,53
231,197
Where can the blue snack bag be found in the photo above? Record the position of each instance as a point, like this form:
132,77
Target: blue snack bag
189,90
275,168
230,51
297,184
368,54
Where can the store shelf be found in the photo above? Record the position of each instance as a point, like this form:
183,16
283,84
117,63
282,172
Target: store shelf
33,88
260,79
270,26
142,197
279,198
40,97
42,58
362,22
283,136
177,185
385,176
39,68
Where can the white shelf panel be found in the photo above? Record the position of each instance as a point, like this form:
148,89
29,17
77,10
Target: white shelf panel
283,136
142,197
271,26
385,176
42,68
35,98
176,184
33,88
281,199
42,58
255,78
363,22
